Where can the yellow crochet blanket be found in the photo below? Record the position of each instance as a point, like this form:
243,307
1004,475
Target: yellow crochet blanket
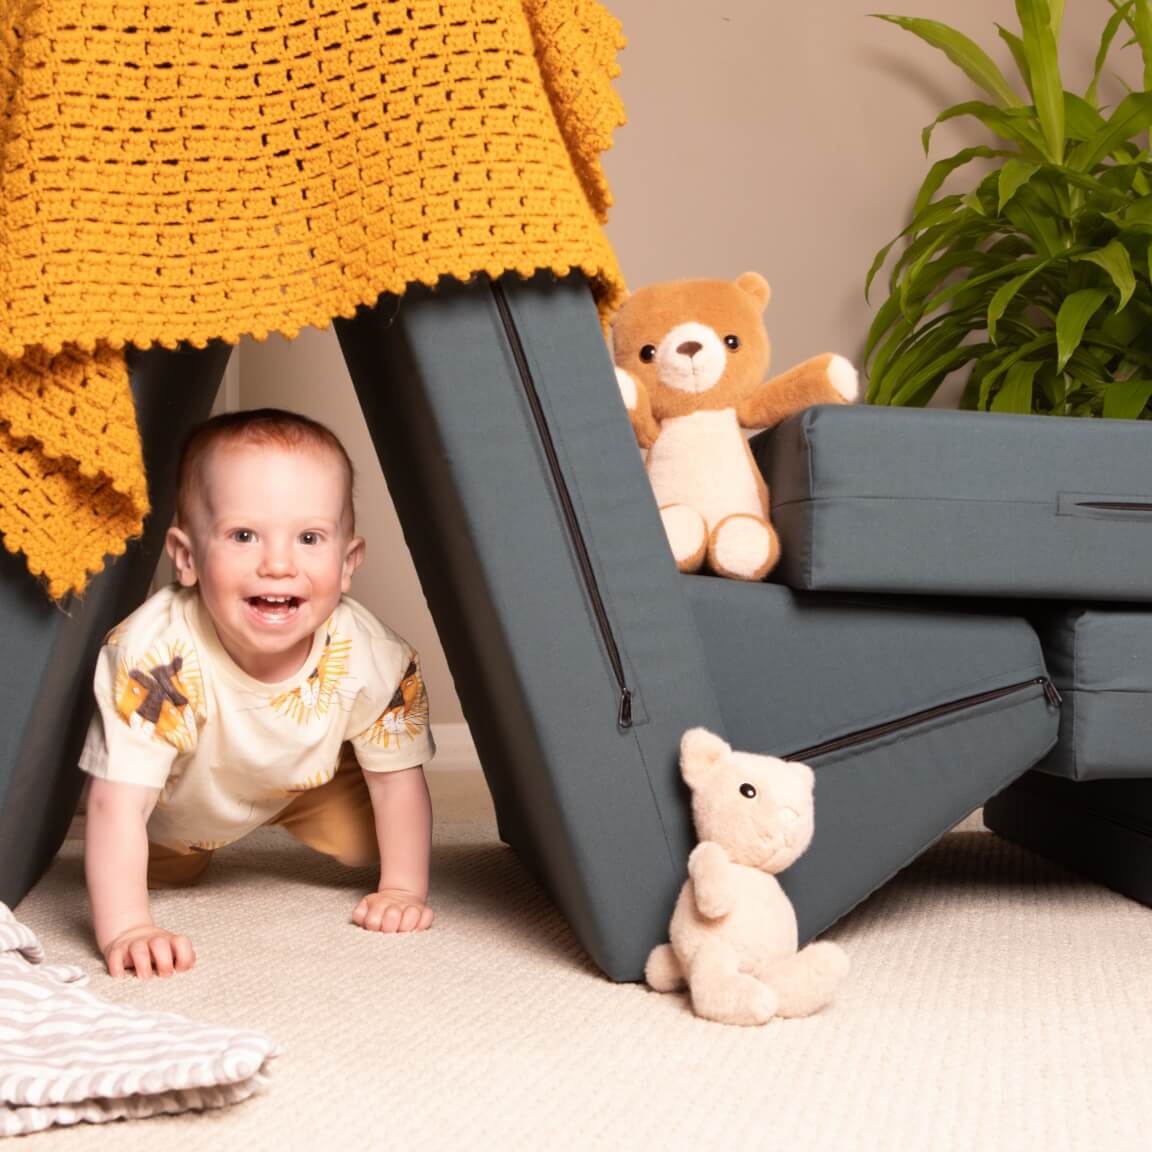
187,170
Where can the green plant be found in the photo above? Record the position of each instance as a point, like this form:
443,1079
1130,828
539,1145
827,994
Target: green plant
1040,277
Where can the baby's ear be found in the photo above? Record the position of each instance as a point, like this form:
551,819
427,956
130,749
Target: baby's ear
353,558
179,549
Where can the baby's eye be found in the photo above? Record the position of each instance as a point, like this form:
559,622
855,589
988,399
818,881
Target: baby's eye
310,538
243,535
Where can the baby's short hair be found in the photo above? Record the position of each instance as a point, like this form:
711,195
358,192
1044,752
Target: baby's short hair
274,427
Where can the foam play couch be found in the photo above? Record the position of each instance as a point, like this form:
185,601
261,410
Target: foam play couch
580,654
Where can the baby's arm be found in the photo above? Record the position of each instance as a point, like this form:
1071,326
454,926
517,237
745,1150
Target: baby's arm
116,868
403,814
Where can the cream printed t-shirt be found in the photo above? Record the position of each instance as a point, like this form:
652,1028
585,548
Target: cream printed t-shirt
228,752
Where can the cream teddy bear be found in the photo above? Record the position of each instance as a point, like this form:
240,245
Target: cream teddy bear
691,358
733,932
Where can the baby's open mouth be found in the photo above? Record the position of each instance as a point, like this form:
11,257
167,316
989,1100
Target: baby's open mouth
274,605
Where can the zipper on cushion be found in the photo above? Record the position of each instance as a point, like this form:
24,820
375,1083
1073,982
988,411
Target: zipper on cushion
587,573
1116,505
863,736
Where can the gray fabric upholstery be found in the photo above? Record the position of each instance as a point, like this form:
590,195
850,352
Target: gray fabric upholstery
916,683
594,808
909,500
1101,829
485,481
1100,658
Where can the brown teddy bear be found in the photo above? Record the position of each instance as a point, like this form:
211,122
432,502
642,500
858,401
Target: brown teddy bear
691,358
733,932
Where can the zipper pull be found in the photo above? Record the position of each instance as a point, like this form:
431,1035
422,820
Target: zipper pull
1051,692
624,717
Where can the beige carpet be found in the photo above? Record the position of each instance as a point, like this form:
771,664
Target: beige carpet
997,1003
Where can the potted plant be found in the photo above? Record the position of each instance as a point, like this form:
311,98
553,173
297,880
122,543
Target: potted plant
1038,279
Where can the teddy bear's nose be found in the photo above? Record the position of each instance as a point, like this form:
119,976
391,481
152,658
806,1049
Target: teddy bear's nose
689,348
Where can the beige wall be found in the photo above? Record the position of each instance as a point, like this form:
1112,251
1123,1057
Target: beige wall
779,137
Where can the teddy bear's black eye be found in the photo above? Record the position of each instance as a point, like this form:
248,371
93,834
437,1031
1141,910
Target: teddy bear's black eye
733,342
648,353
748,791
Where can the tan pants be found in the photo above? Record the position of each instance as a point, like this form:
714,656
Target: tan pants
335,819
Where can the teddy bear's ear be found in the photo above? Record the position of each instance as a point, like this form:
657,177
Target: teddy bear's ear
756,287
802,774
701,753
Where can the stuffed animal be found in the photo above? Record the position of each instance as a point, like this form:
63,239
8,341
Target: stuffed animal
733,932
691,359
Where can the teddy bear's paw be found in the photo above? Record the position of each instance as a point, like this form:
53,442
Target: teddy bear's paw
627,386
687,533
663,972
739,999
808,979
844,378
743,547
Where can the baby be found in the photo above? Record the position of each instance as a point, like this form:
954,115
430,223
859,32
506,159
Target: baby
254,692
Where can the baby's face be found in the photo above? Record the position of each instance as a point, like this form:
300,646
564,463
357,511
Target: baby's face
269,542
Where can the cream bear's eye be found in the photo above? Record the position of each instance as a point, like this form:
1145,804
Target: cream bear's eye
648,353
733,342
748,791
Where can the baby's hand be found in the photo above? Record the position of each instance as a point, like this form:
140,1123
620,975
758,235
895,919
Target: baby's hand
149,949
392,911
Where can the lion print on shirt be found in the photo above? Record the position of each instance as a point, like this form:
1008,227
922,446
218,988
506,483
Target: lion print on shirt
314,697
159,695
407,713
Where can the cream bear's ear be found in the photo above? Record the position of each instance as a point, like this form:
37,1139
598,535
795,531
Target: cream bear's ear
802,774
701,753
756,287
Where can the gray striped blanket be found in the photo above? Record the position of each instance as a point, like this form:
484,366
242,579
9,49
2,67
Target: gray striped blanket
68,1055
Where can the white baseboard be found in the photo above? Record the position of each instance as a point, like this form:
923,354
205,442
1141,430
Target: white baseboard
454,747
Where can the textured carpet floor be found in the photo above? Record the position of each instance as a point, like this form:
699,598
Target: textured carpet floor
996,1003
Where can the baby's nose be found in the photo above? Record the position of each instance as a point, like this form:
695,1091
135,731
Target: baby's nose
277,561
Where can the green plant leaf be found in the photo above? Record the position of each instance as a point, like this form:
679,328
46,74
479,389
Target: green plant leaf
1016,47
1004,296
942,169
1126,399
1110,29
1037,224
969,57
1141,22
917,389
995,366
1114,259
968,295
1081,120
1103,195
915,365
1072,319
1038,22
1132,115
940,212
1013,176
1016,125
1015,394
